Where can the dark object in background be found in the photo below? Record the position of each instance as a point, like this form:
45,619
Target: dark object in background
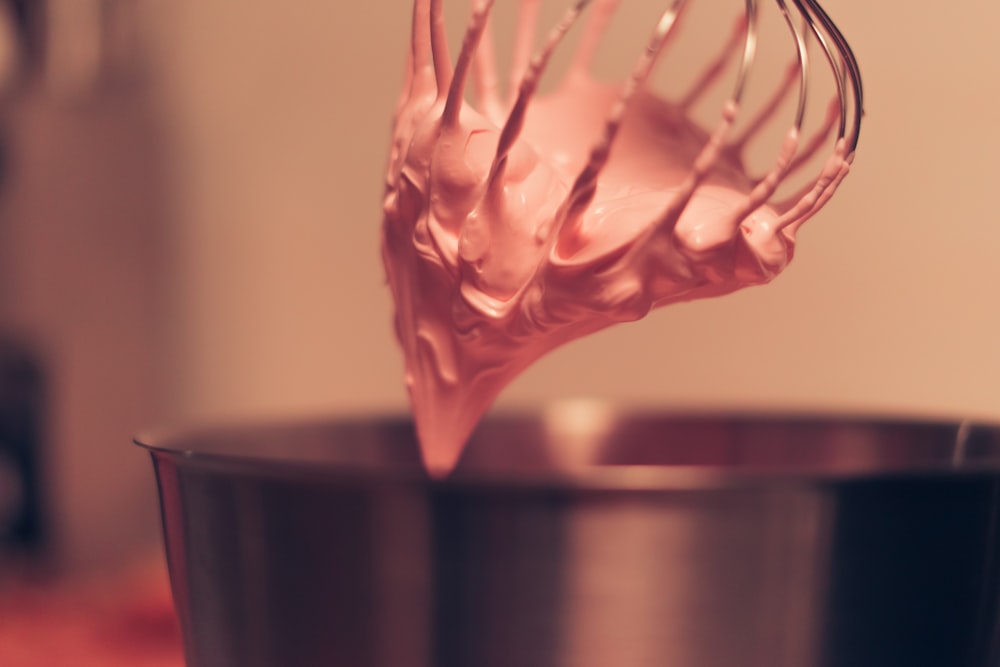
27,17
22,525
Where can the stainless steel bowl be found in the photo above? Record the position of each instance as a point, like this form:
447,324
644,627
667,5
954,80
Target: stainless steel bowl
581,537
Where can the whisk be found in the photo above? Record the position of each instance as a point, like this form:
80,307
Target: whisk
515,225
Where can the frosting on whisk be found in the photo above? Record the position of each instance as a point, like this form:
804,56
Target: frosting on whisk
514,227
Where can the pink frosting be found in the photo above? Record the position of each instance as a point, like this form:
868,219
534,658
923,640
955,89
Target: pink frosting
513,229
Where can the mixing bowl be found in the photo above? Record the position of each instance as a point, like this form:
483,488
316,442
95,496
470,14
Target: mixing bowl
582,536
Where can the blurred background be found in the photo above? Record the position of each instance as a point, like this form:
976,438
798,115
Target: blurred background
190,198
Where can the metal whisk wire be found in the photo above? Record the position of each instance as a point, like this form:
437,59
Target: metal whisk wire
845,64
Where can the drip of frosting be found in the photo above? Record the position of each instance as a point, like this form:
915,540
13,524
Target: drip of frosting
510,230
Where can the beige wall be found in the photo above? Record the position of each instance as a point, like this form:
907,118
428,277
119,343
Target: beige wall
280,120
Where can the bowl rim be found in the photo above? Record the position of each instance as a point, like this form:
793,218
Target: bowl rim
177,446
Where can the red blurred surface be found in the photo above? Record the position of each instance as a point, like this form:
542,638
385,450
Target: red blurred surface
126,619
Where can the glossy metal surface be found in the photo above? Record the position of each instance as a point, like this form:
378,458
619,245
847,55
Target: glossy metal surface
584,538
